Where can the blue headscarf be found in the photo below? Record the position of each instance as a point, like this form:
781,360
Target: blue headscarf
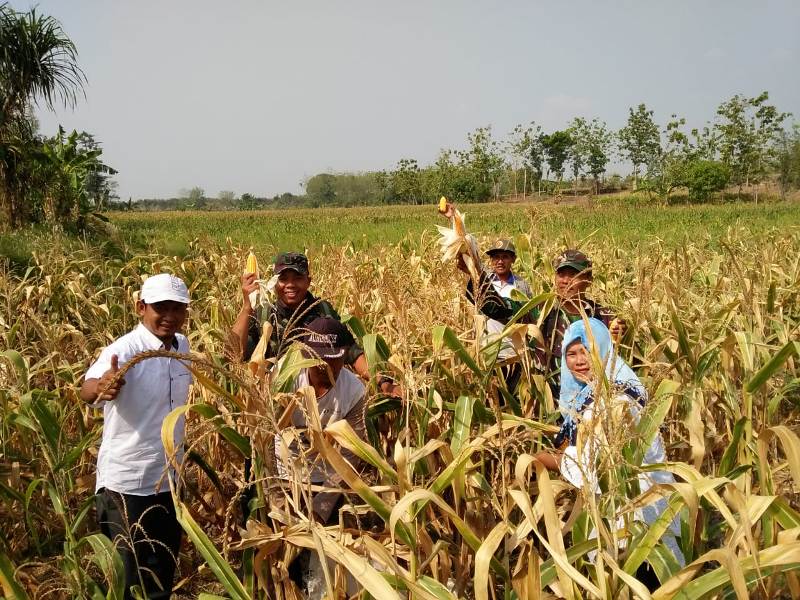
576,394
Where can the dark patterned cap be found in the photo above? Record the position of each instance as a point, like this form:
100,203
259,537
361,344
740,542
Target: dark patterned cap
574,259
327,337
291,260
502,246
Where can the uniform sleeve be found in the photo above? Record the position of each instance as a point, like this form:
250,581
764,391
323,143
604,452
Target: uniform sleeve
252,335
524,287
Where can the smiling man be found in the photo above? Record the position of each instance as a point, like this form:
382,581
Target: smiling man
134,503
295,308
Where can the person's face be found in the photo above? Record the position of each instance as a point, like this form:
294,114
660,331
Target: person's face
571,283
292,287
579,362
162,319
327,373
501,262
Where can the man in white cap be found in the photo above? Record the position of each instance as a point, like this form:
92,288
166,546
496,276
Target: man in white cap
134,504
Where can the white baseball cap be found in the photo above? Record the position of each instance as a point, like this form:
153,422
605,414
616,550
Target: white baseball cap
164,286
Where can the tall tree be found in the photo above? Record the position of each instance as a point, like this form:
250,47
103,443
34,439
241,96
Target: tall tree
525,151
406,181
640,140
787,159
748,128
557,146
38,63
484,158
101,189
666,171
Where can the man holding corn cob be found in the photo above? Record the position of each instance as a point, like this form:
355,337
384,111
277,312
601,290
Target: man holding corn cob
294,309
502,256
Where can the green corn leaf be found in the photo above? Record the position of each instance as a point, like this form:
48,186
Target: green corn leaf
232,436
462,423
108,560
444,336
772,367
218,565
20,366
376,351
730,458
12,589
651,420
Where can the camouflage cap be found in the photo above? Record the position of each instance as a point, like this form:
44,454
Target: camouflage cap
502,245
574,259
291,260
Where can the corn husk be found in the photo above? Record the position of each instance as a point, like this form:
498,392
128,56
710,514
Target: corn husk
455,241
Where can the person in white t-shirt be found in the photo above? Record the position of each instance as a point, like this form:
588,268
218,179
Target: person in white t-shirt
340,394
134,505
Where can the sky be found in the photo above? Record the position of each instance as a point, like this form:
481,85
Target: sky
257,96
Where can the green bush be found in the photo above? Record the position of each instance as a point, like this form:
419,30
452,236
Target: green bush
704,177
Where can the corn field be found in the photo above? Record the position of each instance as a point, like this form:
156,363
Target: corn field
450,502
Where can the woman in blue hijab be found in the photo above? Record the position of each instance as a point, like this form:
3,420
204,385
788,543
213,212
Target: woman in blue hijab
600,402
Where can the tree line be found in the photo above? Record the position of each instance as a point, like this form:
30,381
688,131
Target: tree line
749,142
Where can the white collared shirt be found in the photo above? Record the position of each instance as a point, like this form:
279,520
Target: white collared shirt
131,458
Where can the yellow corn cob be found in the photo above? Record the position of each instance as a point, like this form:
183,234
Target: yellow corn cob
442,205
252,263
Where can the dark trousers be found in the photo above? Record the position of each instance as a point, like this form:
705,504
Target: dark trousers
147,535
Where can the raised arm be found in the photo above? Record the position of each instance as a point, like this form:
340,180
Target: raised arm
241,326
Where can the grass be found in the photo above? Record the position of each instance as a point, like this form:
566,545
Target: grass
622,222
454,506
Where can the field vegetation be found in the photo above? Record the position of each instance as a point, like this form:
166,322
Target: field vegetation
451,503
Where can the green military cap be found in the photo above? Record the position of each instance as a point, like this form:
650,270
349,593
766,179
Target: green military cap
502,245
574,259
291,260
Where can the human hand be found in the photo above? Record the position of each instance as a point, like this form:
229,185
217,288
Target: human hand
249,285
617,328
109,384
391,389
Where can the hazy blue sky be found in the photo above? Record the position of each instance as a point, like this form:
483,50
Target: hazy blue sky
257,96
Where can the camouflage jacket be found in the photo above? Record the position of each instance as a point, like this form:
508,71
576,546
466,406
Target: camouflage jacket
287,324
